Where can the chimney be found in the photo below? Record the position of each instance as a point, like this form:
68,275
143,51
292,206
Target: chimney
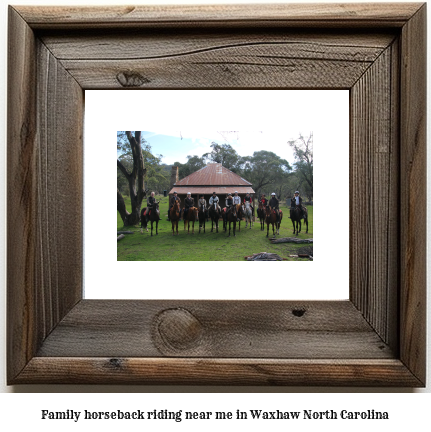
174,176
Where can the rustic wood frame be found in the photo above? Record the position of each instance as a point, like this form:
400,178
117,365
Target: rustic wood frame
376,338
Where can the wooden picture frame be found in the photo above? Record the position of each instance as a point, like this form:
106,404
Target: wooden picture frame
376,338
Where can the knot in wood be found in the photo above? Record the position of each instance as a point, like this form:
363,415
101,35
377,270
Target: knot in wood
298,312
178,329
131,79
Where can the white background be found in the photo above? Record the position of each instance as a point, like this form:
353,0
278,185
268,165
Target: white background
324,112
23,410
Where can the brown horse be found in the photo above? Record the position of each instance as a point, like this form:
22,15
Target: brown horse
214,213
192,216
174,216
153,217
271,218
295,215
261,216
202,217
230,216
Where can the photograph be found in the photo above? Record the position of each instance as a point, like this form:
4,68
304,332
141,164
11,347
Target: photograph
210,187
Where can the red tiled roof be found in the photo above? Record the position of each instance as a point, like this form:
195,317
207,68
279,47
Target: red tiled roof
219,190
214,174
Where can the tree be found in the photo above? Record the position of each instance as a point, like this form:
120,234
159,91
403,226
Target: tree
134,175
224,154
303,152
156,177
264,169
122,183
293,183
194,163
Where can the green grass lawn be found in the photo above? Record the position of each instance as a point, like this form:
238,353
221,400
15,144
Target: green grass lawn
208,246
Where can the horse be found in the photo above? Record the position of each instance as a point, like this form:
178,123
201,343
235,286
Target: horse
239,214
154,217
248,214
261,216
271,218
202,217
174,216
230,216
214,213
191,216
295,216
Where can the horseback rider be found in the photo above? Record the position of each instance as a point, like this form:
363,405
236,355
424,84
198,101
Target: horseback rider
202,203
249,200
263,200
188,203
172,201
150,202
229,203
273,204
214,200
296,201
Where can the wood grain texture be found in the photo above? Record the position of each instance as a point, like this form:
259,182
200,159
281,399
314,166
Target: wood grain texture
45,112
413,194
59,183
377,338
21,194
140,44
300,15
373,196
227,60
197,371
241,329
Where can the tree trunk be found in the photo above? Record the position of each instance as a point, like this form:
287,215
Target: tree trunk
128,218
137,191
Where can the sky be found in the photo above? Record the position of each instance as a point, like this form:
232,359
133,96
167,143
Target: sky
175,146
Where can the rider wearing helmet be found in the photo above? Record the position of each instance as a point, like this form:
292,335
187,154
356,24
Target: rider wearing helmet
172,201
188,203
203,203
274,205
236,200
296,201
214,199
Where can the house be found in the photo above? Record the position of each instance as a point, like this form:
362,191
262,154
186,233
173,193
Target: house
212,178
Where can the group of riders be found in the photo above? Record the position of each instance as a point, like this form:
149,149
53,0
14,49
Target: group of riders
231,200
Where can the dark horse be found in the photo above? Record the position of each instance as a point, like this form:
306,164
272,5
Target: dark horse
239,214
191,216
271,218
261,216
295,215
202,214
153,217
230,216
174,216
214,213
